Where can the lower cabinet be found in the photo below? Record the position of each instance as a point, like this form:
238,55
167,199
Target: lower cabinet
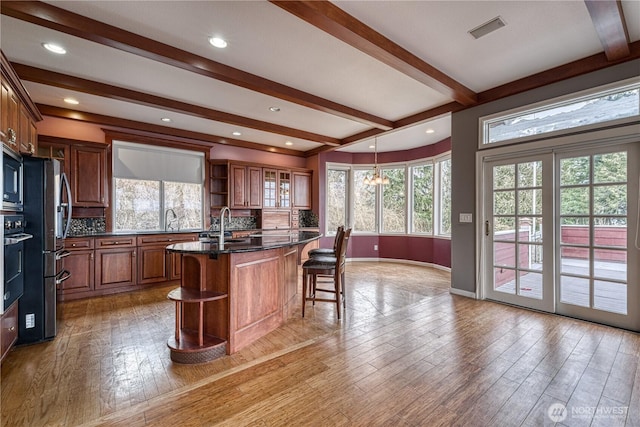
81,263
116,268
105,265
9,329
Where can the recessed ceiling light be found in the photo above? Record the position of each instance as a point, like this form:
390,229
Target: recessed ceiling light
274,109
288,143
54,48
372,146
430,131
71,101
218,42
236,133
166,119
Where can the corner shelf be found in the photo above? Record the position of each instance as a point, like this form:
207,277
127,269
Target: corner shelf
218,184
194,345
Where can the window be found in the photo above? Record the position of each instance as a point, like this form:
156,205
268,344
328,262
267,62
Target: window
151,184
364,203
444,212
394,206
337,191
618,104
422,207
416,201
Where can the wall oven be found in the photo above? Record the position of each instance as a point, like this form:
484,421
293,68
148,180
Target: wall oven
11,180
14,238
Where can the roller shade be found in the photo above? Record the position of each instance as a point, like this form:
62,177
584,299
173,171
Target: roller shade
140,161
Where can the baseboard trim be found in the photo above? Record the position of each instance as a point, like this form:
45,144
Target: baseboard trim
462,293
401,261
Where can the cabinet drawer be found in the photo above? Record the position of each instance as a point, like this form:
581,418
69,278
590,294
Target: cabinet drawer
158,239
77,243
9,329
115,242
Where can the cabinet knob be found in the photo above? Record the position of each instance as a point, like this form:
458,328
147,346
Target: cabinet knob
11,329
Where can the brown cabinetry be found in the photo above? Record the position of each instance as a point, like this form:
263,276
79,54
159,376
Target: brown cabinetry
277,188
105,265
9,329
85,165
245,186
88,175
80,263
301,190
218,185
154,263
18,113
115,260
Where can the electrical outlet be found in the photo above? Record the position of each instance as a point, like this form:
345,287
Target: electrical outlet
375,247
30,321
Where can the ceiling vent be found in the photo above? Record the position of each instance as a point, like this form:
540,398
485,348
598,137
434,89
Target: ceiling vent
487,27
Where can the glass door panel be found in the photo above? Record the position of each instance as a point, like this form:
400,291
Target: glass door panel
595,196
516,210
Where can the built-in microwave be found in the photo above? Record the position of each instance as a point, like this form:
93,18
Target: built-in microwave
11,180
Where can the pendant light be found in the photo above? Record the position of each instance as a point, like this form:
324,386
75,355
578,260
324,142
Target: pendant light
377,178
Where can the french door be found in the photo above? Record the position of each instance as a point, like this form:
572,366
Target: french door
518,232
561,233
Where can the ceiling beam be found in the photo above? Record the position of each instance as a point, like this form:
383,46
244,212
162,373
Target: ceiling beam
99,119
57,19
608,19
336,22
50,78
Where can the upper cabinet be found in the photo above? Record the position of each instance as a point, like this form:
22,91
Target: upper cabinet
89,175
18,113
255,186
246,186
277,188
86,167
301,190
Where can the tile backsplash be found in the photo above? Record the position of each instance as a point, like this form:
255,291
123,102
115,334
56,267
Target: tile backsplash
82,226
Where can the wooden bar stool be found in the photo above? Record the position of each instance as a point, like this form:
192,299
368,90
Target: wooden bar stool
326,266
327,251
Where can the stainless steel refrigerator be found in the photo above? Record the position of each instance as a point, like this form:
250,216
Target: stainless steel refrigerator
47,215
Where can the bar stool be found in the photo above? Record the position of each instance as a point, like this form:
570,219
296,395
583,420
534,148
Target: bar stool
327,251
326,266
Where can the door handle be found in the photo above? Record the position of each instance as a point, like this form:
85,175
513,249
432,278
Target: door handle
486,228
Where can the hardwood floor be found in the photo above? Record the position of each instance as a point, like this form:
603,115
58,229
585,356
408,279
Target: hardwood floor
407,353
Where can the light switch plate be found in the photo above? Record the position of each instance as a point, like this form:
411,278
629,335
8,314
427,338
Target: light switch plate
466,217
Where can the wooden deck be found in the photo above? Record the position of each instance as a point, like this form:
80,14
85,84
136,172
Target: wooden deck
608,296
408,353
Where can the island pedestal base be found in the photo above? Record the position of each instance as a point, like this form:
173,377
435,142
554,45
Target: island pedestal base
228,300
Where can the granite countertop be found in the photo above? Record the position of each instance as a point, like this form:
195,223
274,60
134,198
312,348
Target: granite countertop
259,241
211,233
131,233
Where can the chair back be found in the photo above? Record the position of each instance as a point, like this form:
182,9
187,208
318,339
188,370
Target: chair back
337,239
341,250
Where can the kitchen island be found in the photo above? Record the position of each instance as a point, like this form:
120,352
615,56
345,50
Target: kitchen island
234,292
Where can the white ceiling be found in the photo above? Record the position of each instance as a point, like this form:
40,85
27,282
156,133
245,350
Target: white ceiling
267,41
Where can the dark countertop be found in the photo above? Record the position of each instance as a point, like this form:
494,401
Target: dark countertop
132,233
211,232
260,241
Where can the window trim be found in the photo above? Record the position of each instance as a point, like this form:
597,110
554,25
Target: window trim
485,121
408,165
147,145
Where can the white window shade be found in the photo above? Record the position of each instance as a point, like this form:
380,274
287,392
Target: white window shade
139,161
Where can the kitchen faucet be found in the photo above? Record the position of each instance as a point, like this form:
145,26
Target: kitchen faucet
222,211
167,222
